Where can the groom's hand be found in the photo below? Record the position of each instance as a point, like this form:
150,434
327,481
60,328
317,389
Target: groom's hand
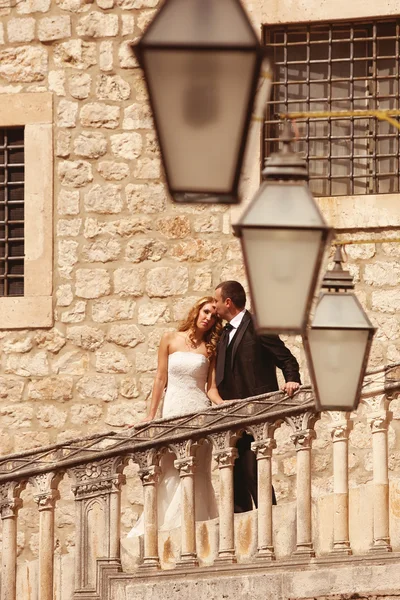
290,387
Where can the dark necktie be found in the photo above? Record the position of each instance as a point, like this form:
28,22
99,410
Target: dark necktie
222,346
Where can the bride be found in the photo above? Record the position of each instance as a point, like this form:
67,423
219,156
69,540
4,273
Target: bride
186,367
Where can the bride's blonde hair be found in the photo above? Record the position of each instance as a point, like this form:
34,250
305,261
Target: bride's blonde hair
211,336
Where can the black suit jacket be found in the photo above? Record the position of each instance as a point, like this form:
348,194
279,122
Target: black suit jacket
251,363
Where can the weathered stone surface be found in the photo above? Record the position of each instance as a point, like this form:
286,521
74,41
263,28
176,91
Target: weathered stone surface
15,416
198,250
127,59
51,388
112,87
137,116
89,338
110,309
21,30
85,414
54,28
104,199
126,145
382,273
57,82
146,361
104,250
106,56
28,365
11,389
153,312
174,227
18,345
67,256
66,113
208,224
129,282
75,173
97,114
113,171
68,227
144,18
154,337
202,280
128,24
105,4
128,388
97,387
23,63
97,25
76,54
235,272
146,198
182,307
52,340
71,363
90,144
92,283
125,335
386,301
63,143
79,85
112,362
130,226
70,5
166,281
147,168
32,6
30,440
50,416
125,413
75,314
139,250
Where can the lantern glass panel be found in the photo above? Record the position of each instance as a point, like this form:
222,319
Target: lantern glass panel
339,311
338,357
200,109
280,264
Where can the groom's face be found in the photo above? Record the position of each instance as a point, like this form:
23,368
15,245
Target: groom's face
221,305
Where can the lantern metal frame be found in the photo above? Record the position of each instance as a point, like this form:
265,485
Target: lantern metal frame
194,195
339,281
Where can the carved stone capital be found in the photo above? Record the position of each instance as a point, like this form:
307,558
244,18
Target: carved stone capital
263,449
10,508
10,501
149,475
380,423
376,404
340,433
264,431
303,422
303,439
47,500
226,458
186,466
96,478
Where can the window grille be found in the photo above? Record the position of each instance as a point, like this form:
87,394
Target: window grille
12,211
332,67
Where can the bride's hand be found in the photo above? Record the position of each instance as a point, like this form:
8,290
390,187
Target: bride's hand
142,421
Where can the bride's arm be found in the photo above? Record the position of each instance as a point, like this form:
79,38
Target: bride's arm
161,377
212,390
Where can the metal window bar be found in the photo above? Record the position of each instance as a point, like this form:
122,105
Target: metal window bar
339,67
12,242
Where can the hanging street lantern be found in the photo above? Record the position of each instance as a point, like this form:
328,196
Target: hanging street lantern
201,61
283,236
338,343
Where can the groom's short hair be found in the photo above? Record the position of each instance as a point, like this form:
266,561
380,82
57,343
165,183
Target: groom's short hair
233,290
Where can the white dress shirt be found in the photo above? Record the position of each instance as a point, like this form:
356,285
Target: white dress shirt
235,322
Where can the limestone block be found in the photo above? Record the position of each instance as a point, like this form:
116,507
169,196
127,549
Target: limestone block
146,386
110,309
21,30
54,28
66,113
70,5
182,307
67,256
79,85
92,283
167,281
131,226
11,389
152,148
76,54
128,24
113,171
153,312
75,314
137,116
138,87
68,227
146,198
15,416
76,173
388,327
386,301
146,362
382,273
125,335
126,145
361,251
18,345
90,144
106,56
104,199
234,272
51,388
391,249
139,250
52,340
393,353
112,87
128,388
174,227
97,387
112,362
93,228
71,363
154,338
89,338
31,439
129,282
104,250
202,280
125,413
63,143
32,6
144,18
147,168
360,436
28,365
96,114
127,59
97,25
105,4
85,414
57,82
209,224
23,63
198,250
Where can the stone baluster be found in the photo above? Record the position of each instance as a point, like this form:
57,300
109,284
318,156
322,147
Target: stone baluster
340,427
10,503
46,496
303,434
262,447
378,419
226,456
149,474
186,466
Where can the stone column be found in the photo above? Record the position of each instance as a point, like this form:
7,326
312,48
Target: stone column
149,476
378,419
226,460
187,467
263,450
10,504
302,438
340,428
115,515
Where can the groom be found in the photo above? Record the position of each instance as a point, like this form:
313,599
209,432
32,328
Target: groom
246,366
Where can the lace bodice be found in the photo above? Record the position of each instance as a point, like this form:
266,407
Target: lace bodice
187,377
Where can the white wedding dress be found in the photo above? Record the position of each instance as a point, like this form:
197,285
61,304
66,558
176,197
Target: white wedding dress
187,377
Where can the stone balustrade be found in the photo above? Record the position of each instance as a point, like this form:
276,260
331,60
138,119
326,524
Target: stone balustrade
96,466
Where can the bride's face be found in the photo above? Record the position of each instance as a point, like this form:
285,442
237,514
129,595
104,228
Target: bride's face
207,317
